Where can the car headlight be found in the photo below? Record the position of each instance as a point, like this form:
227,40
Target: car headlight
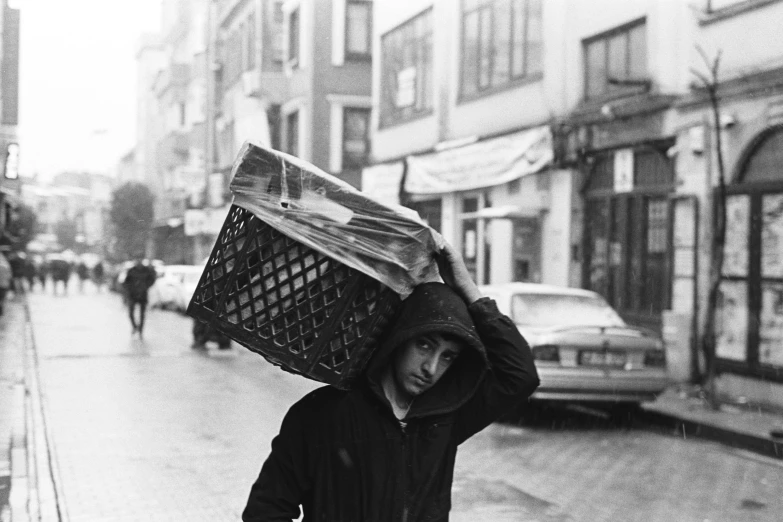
546,352
655,358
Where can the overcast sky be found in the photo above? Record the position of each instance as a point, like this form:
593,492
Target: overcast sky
78,81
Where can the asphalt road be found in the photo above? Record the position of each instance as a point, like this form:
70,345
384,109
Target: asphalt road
153,430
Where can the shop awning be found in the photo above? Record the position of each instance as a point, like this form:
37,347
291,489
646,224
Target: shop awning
486,163
504,212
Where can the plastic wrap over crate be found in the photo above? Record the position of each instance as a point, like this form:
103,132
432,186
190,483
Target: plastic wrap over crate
307,271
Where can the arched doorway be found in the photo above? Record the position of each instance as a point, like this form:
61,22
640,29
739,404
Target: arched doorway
750,319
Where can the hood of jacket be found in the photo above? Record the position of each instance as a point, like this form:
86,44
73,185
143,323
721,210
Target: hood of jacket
434,308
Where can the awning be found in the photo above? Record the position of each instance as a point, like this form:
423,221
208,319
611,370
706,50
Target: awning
504,212
482,164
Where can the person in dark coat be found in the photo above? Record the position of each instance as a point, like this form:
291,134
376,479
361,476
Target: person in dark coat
98,275
385,450
138,280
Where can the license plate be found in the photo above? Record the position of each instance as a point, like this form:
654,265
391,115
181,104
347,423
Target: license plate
596,358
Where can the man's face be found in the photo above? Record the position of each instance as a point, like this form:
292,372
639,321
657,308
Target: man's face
421,362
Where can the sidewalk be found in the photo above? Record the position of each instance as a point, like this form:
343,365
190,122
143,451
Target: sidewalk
26,486
13,388
685,410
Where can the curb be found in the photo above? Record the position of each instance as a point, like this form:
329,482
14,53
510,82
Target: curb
689,427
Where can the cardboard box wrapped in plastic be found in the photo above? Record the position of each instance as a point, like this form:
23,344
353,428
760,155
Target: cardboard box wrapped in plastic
308,271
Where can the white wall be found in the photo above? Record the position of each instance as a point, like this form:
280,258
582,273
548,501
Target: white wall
749,42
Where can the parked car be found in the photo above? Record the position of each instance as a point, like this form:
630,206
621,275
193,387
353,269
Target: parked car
583,349
175,286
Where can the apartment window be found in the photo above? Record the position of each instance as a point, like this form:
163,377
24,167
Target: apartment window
358,29
292,133
273,119
277,32
406,70
356,137
232,58
293,38
501,43
616,62
250,42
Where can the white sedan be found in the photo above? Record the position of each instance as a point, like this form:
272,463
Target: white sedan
583,349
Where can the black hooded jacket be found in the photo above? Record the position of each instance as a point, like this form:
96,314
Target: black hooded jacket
343,455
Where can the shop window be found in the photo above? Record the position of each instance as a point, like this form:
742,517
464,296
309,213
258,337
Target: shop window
430,212
501,43
356,137
293,38
358,29
406,71
292,133
616,62
273,119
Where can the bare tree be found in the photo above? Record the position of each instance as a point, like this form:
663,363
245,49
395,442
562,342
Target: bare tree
710,83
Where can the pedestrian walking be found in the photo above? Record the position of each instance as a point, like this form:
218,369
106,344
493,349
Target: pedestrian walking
6,276
17,261
385,450
138,280
98,275
61,272
43,272
83,272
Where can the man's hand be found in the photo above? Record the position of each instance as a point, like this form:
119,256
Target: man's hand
455,274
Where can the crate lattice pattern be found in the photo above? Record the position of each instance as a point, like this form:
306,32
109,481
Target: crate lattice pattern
294,305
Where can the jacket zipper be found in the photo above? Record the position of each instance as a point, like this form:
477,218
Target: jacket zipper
404,479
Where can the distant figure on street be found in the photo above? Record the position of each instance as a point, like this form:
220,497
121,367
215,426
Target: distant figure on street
61,272
98,275
30,272
5,279
17,261
137,283
83,272
43,273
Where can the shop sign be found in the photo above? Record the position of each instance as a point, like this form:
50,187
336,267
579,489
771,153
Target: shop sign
623,170
382,182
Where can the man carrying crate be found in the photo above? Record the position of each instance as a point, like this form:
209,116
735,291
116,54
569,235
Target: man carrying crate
384,451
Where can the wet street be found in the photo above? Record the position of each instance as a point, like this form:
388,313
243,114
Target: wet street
153,430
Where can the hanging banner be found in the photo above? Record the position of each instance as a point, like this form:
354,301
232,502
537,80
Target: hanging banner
382,182
482,164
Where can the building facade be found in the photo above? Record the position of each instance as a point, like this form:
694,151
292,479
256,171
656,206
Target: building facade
327,60
623,201
9,120
467,99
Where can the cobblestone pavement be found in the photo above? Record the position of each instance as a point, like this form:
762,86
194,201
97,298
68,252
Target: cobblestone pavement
151,430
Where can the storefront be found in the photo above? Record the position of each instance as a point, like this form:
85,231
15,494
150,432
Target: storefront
628,213
750,320
492,199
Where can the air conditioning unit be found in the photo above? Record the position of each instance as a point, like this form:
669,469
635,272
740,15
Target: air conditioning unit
251,84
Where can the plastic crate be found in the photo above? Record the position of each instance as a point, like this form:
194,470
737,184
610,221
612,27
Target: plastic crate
300,309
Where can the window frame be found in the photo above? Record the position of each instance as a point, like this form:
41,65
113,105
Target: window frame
346,165
611,91
293,115
424,44
293,55
354,56
491,8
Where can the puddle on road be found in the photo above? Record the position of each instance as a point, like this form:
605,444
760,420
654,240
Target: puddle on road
478,499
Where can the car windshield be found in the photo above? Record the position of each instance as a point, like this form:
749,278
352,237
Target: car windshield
544,310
